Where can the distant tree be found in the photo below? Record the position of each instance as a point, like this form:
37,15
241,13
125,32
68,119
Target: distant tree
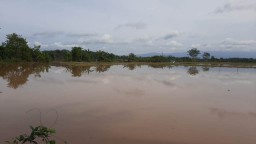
206,56
193,53
213,58
76,54
131,57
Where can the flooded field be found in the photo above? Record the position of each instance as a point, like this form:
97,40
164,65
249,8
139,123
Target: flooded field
130,104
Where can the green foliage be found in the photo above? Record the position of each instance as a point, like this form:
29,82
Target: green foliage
37,133
194,52
131,57
76,54
2,54
16,49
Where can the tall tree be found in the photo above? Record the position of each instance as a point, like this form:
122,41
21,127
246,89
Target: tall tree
193,53
16,48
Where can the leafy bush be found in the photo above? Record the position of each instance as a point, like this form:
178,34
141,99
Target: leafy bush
37,133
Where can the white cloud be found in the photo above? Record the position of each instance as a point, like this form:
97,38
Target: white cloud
36,43
60,45
174,43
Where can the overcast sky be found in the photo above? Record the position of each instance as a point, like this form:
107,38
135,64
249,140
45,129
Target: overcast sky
138,26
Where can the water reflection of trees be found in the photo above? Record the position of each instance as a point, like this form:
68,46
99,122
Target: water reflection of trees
193,71
102,68
17,75
131,66
205,68
78,71
161,66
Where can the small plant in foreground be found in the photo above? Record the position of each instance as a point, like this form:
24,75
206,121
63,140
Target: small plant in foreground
38,133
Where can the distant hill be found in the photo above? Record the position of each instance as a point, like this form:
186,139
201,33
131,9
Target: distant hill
217,54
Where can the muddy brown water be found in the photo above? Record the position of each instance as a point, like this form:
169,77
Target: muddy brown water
130,104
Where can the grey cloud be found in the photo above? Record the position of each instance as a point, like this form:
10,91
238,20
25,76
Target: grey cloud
47,34
170,35
229,44
60,33
82,35
142,40
237,45
229,7
136,26
230,41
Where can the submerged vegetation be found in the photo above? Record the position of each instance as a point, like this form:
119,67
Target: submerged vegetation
16,49
37,133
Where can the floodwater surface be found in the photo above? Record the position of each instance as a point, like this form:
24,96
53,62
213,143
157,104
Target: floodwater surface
130,104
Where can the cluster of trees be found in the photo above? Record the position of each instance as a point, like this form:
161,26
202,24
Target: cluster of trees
16,48
78,54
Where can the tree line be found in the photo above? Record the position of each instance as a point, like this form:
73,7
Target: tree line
16,49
